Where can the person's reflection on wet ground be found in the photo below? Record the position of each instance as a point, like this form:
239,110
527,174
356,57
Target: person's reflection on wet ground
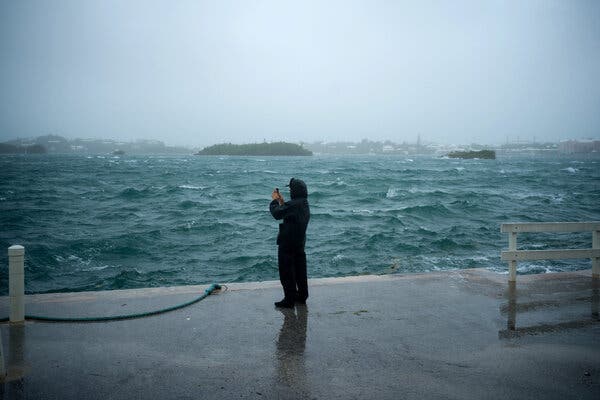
290,350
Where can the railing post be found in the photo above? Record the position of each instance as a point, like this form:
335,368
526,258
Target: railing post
16,283
512,264
595,260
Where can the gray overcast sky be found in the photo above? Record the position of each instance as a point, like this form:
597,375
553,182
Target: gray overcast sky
205,72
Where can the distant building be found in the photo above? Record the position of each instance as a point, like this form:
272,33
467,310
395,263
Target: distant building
579,146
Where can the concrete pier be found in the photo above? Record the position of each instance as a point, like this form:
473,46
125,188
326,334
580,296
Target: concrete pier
452,335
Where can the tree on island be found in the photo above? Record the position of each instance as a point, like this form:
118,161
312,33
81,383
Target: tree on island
483,154
255,149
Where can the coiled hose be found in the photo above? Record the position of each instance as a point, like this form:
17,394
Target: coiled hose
206,293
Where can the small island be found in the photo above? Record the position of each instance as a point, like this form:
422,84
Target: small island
255,149
484,154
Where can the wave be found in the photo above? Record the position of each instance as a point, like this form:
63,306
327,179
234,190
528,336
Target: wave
340,260
448,244
427,210
363,212
528,269
192,187
133,193
187,204
392,193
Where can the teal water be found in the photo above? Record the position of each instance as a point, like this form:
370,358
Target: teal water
103,222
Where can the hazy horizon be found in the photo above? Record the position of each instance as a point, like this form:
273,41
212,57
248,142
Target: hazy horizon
197,73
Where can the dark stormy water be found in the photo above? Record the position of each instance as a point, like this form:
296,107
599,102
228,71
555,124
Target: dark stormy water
104,222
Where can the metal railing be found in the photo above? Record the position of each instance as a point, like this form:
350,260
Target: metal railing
513,255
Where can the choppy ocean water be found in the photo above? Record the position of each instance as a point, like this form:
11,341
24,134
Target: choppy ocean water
104,222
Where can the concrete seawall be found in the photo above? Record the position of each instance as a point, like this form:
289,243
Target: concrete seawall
462,334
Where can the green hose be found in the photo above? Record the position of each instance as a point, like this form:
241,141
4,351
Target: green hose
206,293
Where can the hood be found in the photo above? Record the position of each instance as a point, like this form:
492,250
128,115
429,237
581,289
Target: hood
298,189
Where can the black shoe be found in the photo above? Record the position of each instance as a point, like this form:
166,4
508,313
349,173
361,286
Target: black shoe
284,304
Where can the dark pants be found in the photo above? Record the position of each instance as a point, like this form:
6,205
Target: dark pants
292,273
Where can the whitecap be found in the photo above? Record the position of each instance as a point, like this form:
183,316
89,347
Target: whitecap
189,224
2,198
391,193
537,246
533,268
72,258
570,170
192,187
365,211
557,198
267,171
459,169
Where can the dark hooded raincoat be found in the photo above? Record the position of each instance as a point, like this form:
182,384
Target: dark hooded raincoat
291,239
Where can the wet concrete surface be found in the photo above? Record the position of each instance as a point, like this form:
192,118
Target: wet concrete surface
452,335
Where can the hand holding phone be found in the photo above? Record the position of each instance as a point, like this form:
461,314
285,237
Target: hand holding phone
277,196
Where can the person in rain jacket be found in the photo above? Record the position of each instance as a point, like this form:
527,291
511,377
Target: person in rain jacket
291,240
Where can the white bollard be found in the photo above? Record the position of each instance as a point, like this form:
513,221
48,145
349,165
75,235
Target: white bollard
16,283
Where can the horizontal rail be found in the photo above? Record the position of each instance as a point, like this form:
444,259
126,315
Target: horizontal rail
550,227
519,255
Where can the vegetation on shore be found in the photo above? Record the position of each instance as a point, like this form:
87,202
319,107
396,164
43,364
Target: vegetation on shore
485,154
6,148
255,149
54,144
